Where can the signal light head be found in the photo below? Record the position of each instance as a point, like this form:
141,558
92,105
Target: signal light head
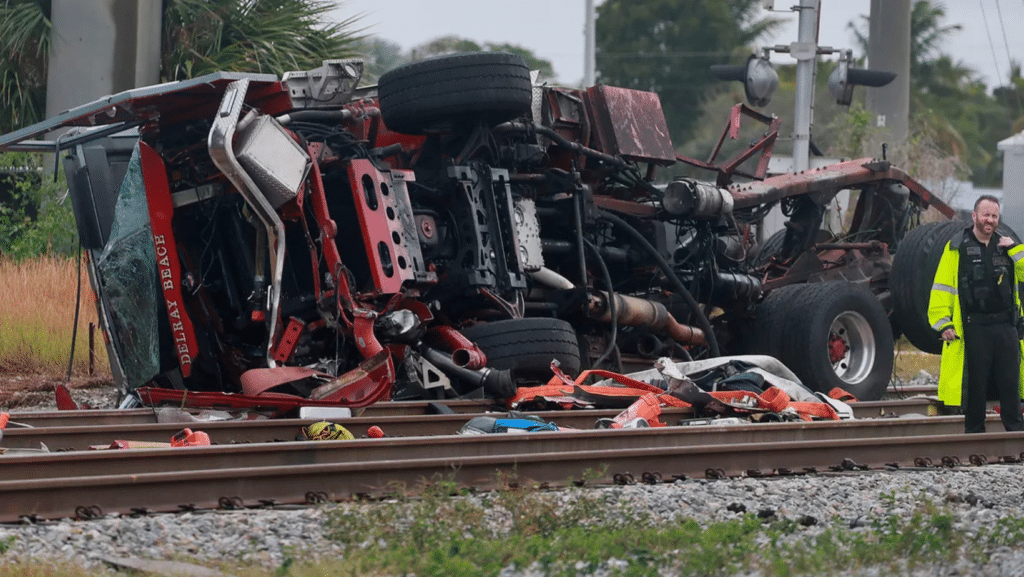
758,77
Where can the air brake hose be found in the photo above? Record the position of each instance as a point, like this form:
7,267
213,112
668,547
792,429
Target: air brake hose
702,319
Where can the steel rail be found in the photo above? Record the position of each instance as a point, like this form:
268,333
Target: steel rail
469,409
87,496
134,461
82,436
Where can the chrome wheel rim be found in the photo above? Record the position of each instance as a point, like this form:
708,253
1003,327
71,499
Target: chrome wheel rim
851,347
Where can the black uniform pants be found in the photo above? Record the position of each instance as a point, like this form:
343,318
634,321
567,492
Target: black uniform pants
992,354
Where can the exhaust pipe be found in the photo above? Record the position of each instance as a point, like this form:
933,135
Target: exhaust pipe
638,312
495,382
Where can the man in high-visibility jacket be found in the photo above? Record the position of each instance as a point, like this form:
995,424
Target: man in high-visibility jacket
975,307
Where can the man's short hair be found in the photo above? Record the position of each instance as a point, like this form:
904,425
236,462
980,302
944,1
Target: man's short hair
987,197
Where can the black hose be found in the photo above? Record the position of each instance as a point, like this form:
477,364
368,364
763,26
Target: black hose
78,307
530,128
577,218
702,319
611,303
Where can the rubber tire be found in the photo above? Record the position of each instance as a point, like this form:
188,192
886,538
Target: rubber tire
438,93
769,248
794,322
812,311
911,277
766,338
527,346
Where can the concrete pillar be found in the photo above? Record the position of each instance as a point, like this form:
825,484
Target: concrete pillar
101,47
1013,182
889,50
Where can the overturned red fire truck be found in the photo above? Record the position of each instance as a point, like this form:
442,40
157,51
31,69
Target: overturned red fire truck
453,230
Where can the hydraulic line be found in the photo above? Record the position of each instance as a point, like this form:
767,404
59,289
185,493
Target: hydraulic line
611,303
702,319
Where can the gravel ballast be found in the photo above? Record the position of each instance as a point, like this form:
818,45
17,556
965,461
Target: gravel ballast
976,497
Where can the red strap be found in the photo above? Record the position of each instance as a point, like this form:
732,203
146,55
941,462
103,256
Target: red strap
842,395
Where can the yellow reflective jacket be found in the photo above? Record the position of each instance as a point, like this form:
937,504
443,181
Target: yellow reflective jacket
944,312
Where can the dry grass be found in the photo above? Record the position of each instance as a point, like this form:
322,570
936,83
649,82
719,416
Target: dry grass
37,311
909,361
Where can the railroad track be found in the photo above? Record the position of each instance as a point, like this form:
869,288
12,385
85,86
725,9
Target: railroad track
243,471
80,430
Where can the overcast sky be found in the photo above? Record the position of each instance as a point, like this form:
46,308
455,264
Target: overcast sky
553,29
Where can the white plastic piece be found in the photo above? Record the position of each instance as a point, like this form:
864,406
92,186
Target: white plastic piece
325,413
844,410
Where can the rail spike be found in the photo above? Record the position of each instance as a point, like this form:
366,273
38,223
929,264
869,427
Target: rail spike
230,503
651,477
623,479
88,512
715,473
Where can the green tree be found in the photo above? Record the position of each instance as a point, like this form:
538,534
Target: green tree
273,36
25,44
200,36
452,44
34,217
667,47
928,33
379,56
949,104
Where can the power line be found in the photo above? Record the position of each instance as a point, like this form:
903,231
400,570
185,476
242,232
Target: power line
995,60
1009,58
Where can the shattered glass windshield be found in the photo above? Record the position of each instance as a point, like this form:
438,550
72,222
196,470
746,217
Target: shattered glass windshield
127,268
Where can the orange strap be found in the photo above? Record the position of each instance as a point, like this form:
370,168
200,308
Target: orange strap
840,394
808,411
773,399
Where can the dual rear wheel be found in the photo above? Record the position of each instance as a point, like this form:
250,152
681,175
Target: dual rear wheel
830,334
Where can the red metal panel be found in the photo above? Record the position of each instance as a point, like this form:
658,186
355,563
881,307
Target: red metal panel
381,205
161,211
630,123
286,345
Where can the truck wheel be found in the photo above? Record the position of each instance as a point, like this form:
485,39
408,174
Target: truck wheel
766,338
438,93
910,281
527,346
838,335
769,248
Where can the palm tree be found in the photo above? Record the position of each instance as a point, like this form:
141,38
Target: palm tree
273,36
927,33
200,36
25,44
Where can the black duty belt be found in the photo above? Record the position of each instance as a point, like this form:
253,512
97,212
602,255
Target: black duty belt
990,318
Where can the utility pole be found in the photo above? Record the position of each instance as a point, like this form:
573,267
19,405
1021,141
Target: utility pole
101,47
805,50
889,49
589,45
